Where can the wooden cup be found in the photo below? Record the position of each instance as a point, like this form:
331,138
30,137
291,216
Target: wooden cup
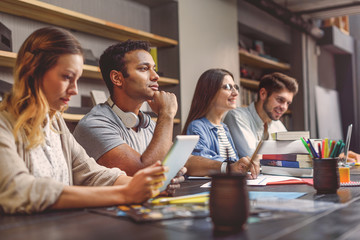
326,175
229,202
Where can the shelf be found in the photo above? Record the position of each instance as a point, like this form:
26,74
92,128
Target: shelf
94,72
7,59
71,117
249,83
51,14
257,61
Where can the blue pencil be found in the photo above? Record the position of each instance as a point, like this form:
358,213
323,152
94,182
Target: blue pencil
312,149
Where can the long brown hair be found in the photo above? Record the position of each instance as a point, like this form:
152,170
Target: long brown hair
27,102
207,86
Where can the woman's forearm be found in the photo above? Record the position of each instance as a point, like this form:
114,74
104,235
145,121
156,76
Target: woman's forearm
80,197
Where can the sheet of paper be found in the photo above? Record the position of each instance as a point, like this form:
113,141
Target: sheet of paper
283,204
261,180
198,178
264,179
206,185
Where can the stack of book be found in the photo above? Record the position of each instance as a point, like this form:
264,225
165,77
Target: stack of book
293,160
286,155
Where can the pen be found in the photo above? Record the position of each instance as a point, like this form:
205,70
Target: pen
340,149
326,146
319,149
332,146
335,149
306,146
228,169
255,153
313,149
323,149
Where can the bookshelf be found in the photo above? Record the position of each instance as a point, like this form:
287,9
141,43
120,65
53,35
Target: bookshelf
249,83
7,59
261,62
62,17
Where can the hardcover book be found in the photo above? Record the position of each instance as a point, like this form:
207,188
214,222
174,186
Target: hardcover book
287,157
290,135
286,171
282,147
284,163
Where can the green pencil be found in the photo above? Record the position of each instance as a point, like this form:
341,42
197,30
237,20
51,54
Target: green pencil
306,146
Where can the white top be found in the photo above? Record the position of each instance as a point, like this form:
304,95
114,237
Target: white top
47,160
224,143
247,128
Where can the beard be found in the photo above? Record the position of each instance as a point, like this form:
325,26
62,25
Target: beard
269,112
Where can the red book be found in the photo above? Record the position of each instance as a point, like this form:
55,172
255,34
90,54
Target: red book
308,181
287,157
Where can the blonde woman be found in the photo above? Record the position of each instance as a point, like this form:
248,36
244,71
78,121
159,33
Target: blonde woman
40,162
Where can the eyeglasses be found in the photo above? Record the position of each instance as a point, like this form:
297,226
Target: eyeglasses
231,87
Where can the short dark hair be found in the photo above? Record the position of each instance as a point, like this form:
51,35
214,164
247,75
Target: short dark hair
113,59
275,82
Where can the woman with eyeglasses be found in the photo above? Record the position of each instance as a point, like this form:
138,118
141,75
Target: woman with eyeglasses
214,95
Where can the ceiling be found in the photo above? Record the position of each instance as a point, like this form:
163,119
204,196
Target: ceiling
306,14
321,9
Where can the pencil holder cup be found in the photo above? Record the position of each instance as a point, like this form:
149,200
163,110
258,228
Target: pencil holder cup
229,202
326,175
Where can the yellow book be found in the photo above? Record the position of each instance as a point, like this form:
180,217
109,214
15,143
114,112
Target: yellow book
193,198
153,53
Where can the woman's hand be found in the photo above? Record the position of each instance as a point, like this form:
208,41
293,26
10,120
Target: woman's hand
145,184
352,157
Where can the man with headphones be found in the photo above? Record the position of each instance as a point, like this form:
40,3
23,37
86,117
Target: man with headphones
116,133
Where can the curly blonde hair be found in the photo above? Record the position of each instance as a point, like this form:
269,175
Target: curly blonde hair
26,102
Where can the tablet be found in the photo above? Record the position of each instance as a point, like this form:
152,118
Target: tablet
177,156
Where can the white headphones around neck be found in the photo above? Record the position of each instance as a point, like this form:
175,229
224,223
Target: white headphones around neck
130,119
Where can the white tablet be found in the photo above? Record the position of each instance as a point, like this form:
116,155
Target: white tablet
177,156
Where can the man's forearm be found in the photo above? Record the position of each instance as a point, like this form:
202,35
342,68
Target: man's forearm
161,140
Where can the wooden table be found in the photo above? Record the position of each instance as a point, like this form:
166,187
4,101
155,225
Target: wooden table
81,224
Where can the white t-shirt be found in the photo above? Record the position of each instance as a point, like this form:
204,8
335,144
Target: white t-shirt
247,128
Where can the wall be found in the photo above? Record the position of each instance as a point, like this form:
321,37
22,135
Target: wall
311,78
326,69
207,39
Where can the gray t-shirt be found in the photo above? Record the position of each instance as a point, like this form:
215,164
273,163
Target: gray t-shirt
101,130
